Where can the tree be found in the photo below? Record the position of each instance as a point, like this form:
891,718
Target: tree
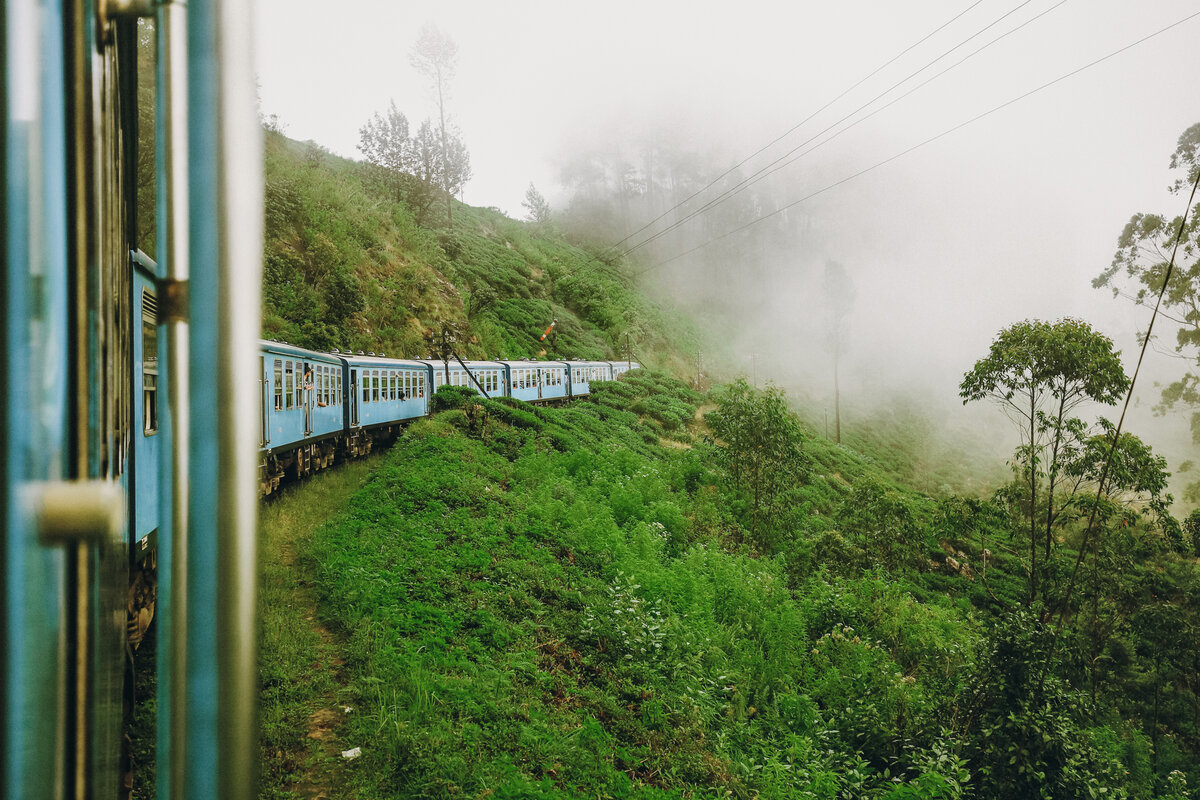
760,443
413,168
536,208
434,56
1140,265
1039,373
839,299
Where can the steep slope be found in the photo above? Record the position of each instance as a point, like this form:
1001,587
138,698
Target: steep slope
346,266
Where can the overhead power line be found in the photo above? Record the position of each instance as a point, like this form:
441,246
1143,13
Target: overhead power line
922,144
792,129
776,164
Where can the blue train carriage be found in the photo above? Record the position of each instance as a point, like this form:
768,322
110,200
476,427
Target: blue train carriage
538,381
490,376
143,472
584,372
300,412
381,395
619,368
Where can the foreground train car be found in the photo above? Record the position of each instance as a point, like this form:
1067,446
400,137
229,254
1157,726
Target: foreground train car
127,444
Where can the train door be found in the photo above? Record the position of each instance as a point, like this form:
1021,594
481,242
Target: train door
306,392
264,394
354,397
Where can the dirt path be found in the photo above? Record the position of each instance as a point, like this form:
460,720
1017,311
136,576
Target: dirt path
305,710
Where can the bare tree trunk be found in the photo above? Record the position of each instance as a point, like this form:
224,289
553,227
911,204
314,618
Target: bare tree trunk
1033,580
837,396
445,154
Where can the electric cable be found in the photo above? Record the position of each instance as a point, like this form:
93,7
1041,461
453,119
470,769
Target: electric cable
771,169
792,129
922,144
1100,488
754,178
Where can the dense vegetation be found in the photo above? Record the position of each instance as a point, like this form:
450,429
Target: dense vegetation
661,593
550,602
347,266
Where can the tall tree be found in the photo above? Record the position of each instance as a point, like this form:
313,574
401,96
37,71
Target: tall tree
1139,267
435,55
1039,373
761,444
413,168
537,210
839,299
385,143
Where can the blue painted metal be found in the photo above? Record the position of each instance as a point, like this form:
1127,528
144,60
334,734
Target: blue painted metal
145,442
35,390
535,381
295,414
387,390
203,691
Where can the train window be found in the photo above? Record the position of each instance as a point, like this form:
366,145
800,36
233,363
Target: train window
278,385
289,380
337,388
375,385
149,362
366,386
407,391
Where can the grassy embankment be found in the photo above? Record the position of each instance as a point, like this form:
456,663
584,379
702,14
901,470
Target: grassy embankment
346,266
539,602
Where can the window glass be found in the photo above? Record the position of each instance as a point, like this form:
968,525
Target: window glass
366,386
375,385
278,385
288,384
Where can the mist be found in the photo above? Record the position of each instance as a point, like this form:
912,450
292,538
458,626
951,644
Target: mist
618,114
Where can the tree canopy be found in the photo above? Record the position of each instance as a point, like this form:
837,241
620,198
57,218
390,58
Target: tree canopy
1140,265
1039,373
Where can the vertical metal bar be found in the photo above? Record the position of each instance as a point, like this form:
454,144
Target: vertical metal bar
173,204
225,151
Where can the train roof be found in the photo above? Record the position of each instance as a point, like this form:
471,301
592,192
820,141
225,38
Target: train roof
438,363
283,348
379,361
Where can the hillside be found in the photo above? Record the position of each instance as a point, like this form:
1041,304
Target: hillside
523,602
656,592
347,267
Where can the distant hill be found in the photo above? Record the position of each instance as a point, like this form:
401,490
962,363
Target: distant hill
346,266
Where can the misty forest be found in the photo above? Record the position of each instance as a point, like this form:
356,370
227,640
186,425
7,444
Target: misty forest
757,567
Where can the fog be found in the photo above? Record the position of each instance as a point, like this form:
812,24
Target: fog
1007,218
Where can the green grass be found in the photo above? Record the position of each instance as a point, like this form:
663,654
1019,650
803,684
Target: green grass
299,658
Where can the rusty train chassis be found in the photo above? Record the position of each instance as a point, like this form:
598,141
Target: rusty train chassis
295,463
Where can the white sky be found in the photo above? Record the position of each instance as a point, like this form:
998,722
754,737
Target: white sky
1007,219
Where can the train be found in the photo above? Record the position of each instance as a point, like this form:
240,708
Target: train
316,408
143,417
128,449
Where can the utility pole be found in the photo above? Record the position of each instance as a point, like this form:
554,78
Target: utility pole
446,348
628,353
837,397
698,370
